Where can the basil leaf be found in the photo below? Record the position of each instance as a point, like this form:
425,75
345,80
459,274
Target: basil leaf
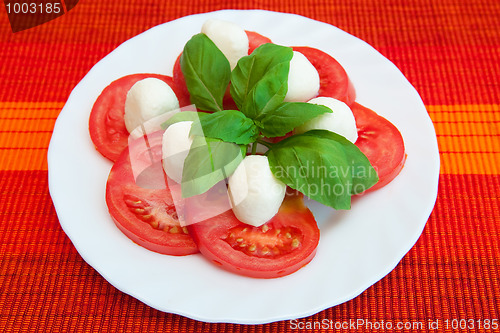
207,72
322,165
363,174
268,93
256,68
310,165
209,162
184,116
288,116
228,125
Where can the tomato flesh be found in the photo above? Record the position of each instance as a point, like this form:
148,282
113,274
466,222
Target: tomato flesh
280,247
143,208
381,142
255,40
253,242
334,81
106,123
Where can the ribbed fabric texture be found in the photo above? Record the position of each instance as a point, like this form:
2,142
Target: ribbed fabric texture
449,50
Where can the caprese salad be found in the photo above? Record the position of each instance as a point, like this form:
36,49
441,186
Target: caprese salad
270,124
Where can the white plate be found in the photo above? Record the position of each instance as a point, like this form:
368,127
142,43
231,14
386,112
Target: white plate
357,247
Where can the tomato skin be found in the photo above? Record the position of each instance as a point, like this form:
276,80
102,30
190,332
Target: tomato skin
178,80
255,40
381,142
145,213
106,123
334,81
212,238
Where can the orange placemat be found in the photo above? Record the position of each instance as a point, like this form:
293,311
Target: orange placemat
450,52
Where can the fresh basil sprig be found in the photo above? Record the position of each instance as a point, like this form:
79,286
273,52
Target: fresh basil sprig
259,82
206,71
208,162
322,165
288,116
228,125
364,175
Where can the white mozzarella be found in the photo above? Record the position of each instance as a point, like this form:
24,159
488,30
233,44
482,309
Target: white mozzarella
175,148
303,79
340,121
229,37
147,99
255,194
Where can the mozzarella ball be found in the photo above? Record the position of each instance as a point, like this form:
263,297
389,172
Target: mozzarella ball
175,148
147,99
255,194
230,38
303,79
340,121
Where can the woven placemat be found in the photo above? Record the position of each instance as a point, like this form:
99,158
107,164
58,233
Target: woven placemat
449,51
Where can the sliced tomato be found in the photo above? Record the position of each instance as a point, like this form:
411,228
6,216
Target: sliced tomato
106,123
381,142
255,40
334,81
280,247
141,205
178,79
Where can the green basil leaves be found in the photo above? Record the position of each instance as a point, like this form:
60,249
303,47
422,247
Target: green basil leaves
322,165
287,116
206,71
207,163
228,125
260,80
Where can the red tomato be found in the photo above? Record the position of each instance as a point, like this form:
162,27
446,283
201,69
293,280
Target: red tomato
334,81
143,208
255,40
381,142
178,79
106,123
280,247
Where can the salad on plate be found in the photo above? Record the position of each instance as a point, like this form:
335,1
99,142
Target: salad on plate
217,159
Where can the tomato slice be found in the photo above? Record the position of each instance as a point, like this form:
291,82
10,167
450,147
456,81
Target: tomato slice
106,124
142,207
381,142
334,81
255,40
280,247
